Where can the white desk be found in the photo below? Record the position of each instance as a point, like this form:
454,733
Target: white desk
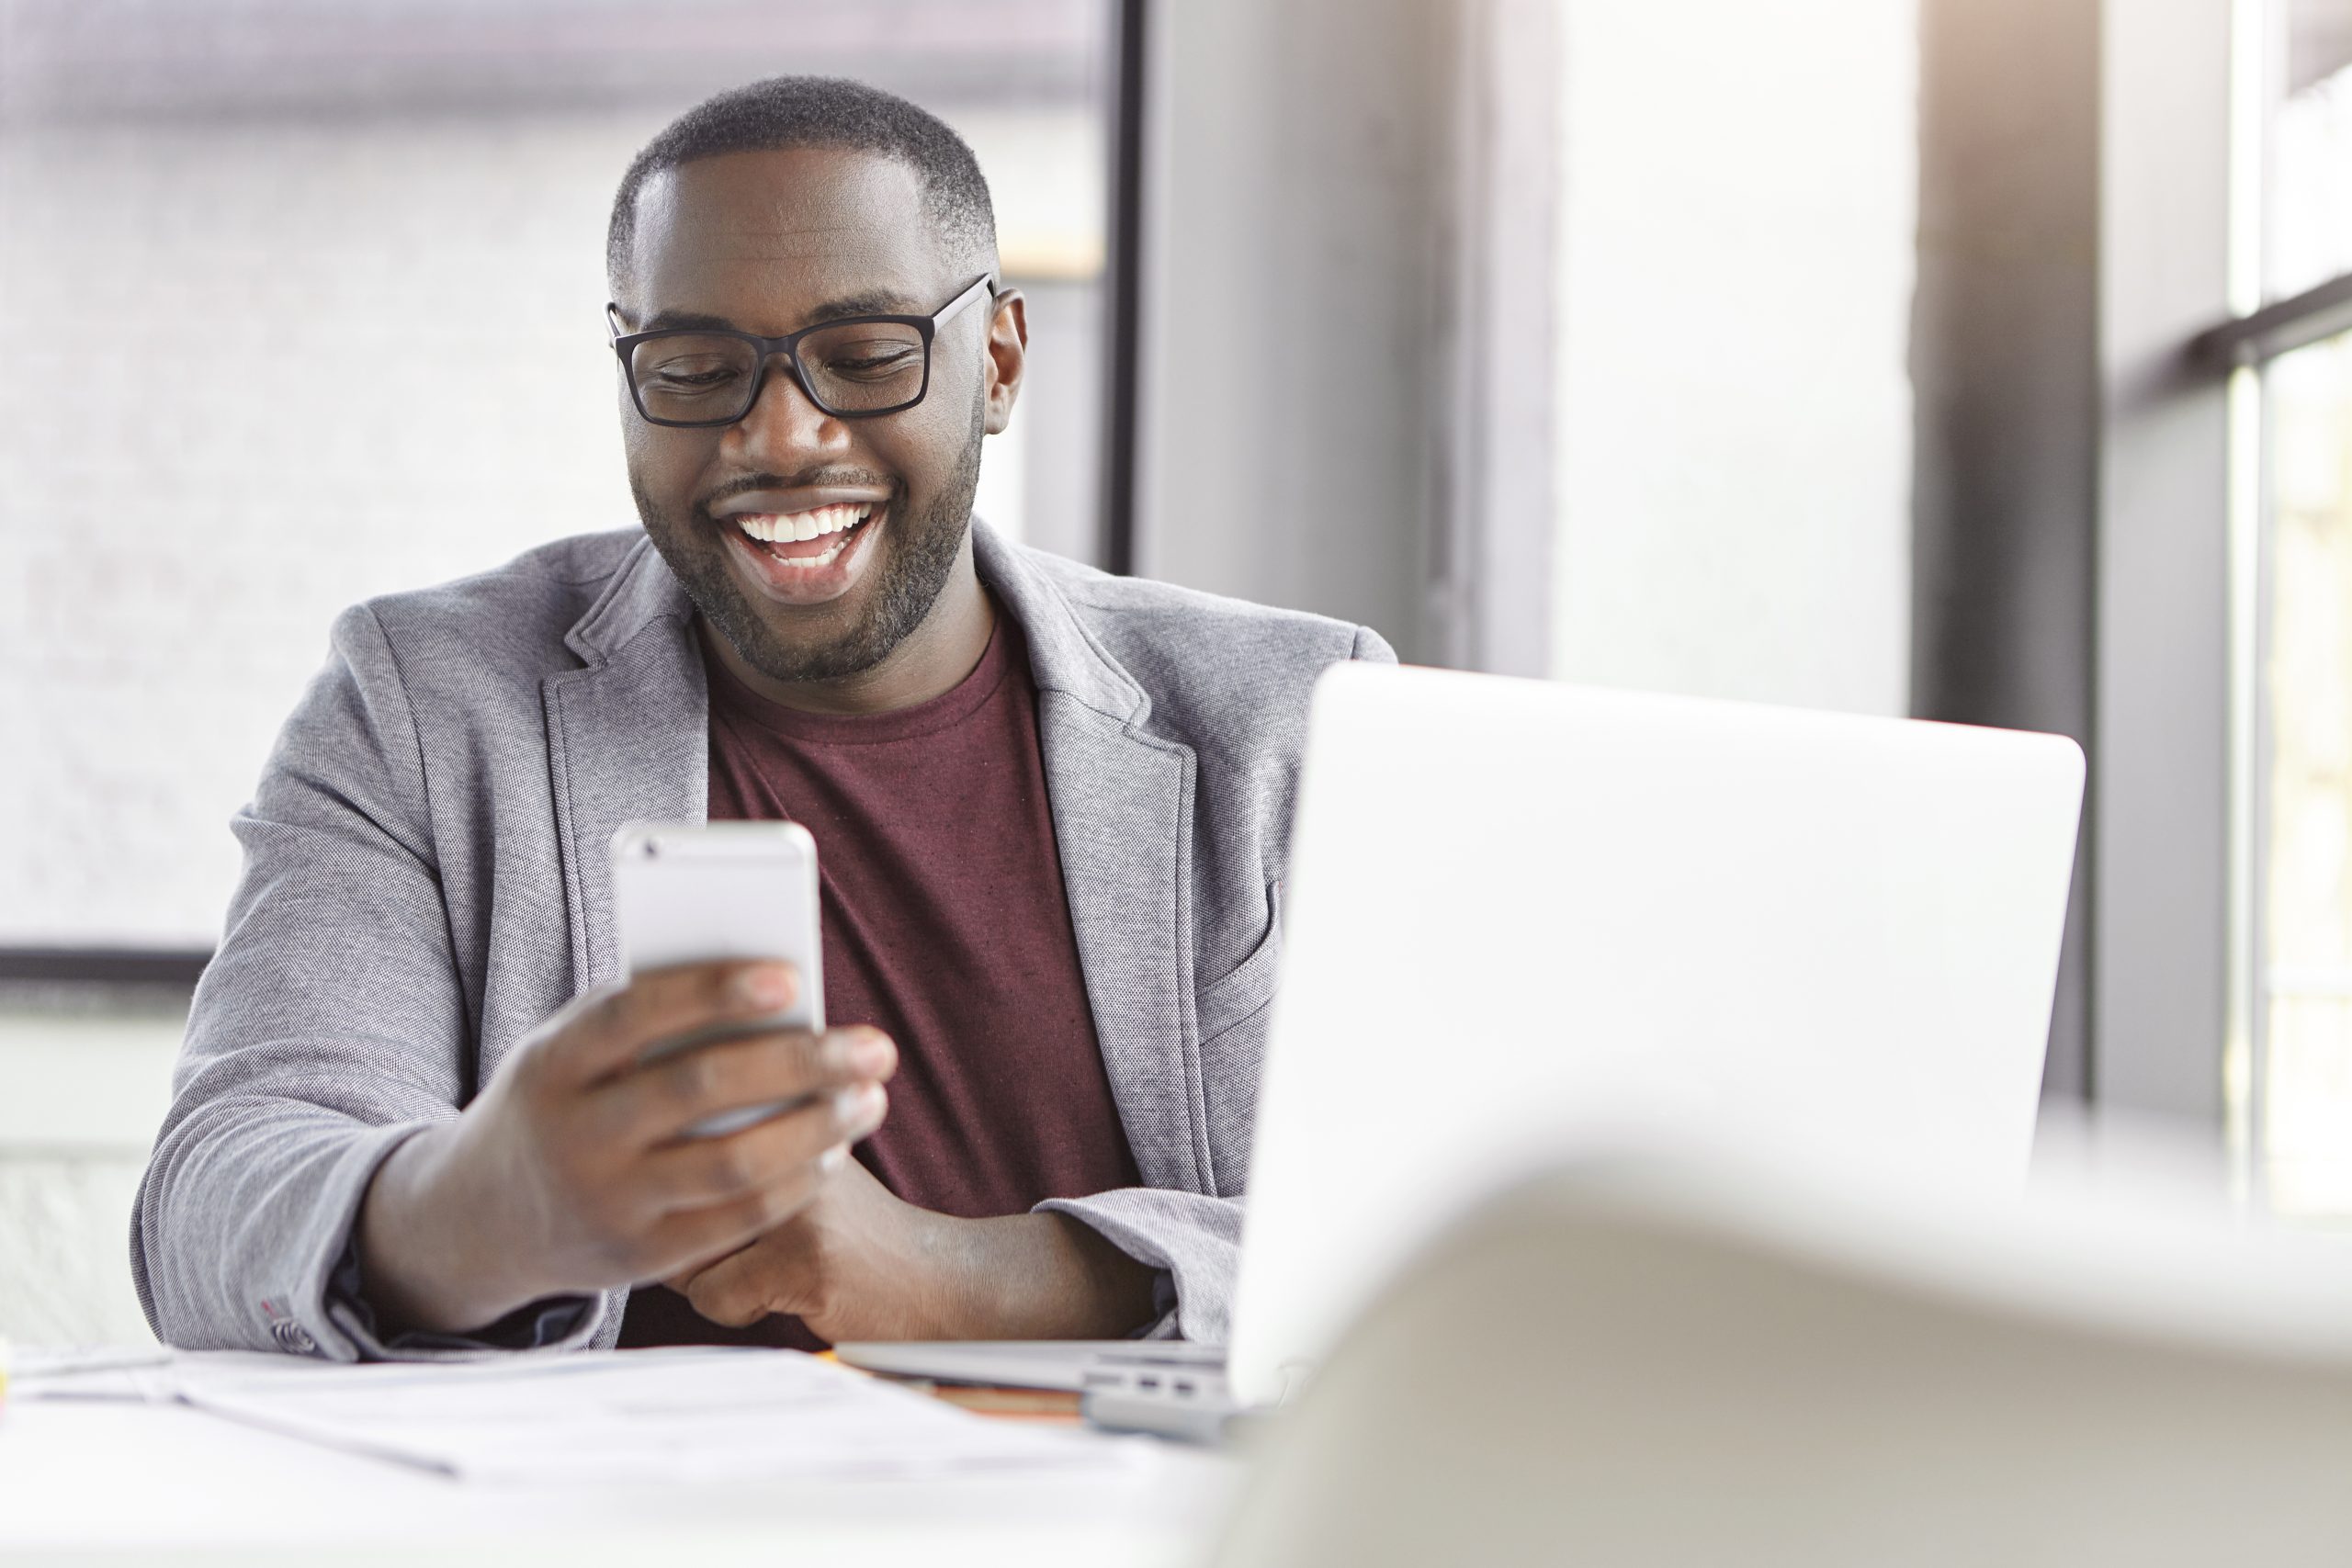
130,1484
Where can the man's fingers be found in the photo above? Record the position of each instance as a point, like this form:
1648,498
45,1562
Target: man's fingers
715,1241
678,1280
665,1100
607,1030
741,1288
700,1172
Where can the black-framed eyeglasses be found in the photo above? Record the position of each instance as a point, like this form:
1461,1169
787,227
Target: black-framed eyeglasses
855,367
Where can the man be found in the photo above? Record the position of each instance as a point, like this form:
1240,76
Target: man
415,1112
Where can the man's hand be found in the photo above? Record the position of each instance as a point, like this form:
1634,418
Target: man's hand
574,1171
858,1263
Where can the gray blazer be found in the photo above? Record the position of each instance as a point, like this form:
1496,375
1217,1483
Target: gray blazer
425,881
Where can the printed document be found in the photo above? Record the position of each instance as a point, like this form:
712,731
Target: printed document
684,1414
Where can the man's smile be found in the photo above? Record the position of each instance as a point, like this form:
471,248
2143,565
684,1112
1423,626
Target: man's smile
804,546
793,529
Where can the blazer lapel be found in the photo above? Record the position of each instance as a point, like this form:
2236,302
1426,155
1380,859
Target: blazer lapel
628,738
1121,804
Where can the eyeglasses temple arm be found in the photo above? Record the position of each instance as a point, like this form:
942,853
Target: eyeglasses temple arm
984,283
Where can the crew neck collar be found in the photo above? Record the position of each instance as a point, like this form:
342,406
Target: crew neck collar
732,698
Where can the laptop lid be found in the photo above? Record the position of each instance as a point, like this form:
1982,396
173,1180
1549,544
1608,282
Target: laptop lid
1523,919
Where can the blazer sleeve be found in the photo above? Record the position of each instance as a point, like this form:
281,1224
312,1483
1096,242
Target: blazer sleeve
330,1025
1192,1239
1371,647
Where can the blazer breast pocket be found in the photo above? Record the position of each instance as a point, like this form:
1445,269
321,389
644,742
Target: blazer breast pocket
1232,1012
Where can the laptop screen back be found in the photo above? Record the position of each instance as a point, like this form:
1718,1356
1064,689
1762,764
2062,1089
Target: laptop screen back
1525,919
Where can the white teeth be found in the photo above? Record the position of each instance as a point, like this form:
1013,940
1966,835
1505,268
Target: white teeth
808,563
779,528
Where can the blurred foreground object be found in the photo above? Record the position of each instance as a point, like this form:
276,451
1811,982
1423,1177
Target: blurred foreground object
1642,1363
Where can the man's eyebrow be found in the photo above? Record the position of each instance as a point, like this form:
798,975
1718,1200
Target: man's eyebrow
880,303
676,321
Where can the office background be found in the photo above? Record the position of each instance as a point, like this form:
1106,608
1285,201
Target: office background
1857,354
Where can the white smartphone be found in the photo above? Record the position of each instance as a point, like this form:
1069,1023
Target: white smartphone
692,892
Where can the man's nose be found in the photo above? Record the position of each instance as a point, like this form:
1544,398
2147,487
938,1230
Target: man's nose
784,429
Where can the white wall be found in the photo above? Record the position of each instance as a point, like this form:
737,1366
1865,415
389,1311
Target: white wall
1736,263
266,369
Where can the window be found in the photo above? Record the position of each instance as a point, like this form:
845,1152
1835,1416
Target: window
2303,747
352,194
2306,846
2287,356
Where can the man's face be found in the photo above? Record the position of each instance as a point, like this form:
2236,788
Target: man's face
770,243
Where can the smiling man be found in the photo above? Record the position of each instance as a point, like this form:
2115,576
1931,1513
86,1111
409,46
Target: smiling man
418,1112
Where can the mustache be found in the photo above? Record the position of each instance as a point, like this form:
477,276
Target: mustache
807,478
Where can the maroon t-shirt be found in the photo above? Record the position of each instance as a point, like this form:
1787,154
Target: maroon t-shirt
946,925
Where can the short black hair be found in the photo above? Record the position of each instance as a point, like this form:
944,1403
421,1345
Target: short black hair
785,112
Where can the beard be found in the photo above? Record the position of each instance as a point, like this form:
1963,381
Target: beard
913,566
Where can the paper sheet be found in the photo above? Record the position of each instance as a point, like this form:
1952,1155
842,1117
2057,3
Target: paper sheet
107,1372
686,1414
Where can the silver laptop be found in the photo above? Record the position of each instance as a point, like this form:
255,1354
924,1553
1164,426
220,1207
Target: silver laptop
1525,919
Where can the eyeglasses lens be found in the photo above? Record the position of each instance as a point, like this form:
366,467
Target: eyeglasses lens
850,367
690,377
864,367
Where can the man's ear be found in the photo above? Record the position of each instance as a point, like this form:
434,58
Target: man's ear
1008,349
